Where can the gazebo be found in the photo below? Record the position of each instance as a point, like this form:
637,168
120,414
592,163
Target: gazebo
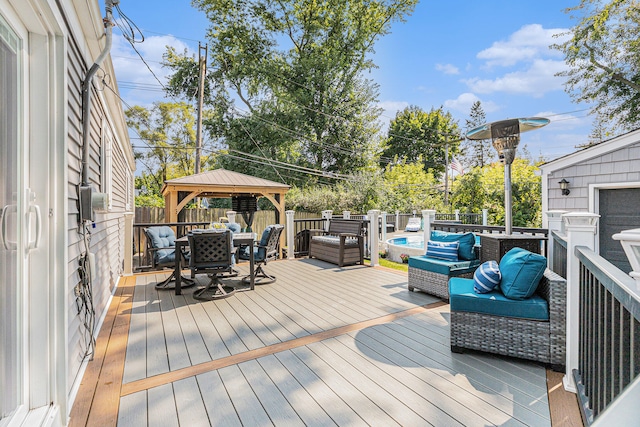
220,183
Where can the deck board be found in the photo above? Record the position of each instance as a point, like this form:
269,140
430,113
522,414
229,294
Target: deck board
321,346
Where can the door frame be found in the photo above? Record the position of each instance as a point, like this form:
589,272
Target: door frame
594,199
44,126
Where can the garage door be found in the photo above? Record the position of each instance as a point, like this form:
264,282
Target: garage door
619,210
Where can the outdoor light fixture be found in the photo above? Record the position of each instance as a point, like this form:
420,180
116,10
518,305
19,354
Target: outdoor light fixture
564,186
505,136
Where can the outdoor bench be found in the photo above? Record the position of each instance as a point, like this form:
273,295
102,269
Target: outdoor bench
341,244
431,275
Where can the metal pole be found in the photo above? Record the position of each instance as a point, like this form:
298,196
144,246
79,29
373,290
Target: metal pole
507,198
202,62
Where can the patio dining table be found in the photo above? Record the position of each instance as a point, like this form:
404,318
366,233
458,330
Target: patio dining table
239,239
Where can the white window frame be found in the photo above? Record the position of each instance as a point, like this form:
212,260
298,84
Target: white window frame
106,162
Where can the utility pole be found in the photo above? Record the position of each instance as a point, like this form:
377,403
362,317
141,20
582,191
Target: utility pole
202,62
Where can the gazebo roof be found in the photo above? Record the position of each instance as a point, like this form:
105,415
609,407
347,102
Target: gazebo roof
222,180
220,183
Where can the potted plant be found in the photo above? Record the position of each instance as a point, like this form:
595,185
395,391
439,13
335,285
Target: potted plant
404,258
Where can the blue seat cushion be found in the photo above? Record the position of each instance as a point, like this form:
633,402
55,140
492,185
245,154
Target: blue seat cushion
441,266
462,297
521,272
233,226
163,237
465,246
259,253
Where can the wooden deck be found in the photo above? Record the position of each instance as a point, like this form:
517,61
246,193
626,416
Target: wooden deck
321,346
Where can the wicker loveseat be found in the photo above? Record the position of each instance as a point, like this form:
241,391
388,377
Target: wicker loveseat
533,328
342,244
431,275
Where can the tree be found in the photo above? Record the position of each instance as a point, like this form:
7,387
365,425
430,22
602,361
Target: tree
415,134
483,188
287,78
603,54
167,149
409,187
477,152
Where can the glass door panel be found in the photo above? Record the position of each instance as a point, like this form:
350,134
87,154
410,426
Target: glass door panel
10,325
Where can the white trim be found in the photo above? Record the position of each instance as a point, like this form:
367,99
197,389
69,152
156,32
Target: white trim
594,199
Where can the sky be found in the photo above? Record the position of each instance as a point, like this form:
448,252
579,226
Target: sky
446,54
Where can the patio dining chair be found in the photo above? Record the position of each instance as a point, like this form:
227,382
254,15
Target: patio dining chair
161,247
212,254
266,250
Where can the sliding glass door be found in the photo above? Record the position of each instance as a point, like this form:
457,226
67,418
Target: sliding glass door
11,366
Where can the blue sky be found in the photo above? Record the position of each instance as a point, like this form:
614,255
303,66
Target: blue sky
447,53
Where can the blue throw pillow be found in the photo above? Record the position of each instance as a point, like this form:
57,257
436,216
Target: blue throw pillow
447,251
486,277
521,272
466,242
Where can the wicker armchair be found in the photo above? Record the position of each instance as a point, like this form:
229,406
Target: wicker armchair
541,341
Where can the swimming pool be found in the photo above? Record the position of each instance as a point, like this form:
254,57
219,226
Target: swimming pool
410,245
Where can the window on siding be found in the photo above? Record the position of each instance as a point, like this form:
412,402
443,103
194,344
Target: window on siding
128,191
106,164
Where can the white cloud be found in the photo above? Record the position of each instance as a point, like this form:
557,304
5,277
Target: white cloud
137,84
448,68
536,80
528,43
464,102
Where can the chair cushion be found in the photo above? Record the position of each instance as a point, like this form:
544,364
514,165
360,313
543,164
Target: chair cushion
447,251
233,226
521,272
462,297
466,242
162,236
335,240
441,266
486,277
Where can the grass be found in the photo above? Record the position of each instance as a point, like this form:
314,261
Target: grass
390,264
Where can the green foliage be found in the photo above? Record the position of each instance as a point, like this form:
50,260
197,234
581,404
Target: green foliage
415,134
297,71
150,200
483,188
167,130
408,187
603,53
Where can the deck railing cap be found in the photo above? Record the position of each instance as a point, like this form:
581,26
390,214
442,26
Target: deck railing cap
630,241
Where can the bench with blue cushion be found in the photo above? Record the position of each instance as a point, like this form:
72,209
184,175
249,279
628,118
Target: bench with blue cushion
431,275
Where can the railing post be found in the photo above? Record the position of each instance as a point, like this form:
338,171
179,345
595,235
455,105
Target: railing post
395,227
485,217
326,216
581,229
383,232
128,244
346,214
457,211
554,223
289,215
429,216
373,236
231,216
630,241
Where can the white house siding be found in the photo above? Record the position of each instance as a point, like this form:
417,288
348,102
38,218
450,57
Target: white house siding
107,233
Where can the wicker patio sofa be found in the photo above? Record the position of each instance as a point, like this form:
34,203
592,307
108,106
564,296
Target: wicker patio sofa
431,275
515,334
342,244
